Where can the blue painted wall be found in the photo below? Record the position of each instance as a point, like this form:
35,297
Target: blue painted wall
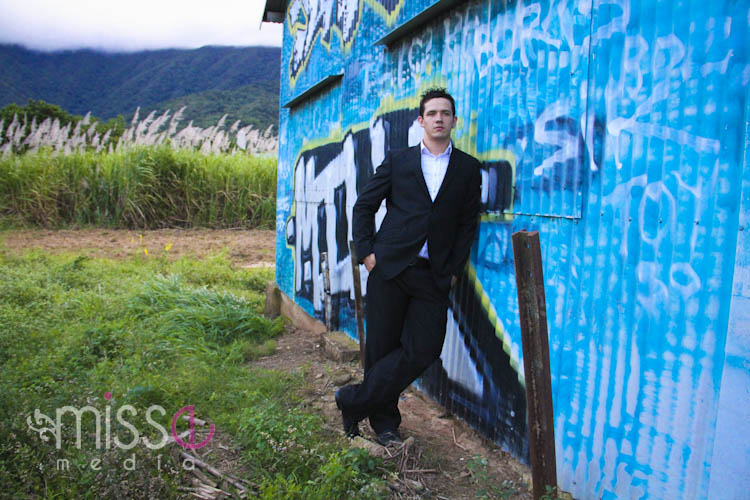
618,129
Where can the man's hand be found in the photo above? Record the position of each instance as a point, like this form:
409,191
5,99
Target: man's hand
369,262
454,279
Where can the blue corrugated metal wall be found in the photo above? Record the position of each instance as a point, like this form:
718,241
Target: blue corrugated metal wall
616,128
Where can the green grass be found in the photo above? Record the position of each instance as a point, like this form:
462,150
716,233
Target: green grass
153,332
149,187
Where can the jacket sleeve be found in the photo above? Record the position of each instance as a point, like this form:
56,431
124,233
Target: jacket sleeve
467,226
368,202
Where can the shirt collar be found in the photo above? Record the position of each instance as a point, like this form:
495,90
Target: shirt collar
447,151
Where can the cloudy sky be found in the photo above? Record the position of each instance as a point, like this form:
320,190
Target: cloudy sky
127,25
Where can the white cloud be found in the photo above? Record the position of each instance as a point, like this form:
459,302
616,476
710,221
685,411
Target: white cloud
135,24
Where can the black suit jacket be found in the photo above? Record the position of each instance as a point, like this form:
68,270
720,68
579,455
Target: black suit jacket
448,224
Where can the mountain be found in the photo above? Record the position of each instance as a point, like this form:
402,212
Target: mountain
256,104
211,81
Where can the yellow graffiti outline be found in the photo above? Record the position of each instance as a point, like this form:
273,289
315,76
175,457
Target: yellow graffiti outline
387,105
293,27
292,78
492,317
382,12
334,29
335,135
303,65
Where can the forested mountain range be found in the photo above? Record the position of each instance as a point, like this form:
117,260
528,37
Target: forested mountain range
242,82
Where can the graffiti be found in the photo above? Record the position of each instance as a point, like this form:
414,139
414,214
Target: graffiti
326,181
308,20
471,42
620,136
325,188
627,92
555,127
477,376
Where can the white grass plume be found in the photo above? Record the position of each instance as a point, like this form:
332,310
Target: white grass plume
17,137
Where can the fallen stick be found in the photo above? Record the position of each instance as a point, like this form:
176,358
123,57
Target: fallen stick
196,495
203,465
172,440
196,420
204,478
210,490
453,430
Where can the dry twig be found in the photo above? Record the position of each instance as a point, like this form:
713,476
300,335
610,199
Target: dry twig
214,471
453,430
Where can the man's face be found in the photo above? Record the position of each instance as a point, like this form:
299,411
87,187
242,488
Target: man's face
438,119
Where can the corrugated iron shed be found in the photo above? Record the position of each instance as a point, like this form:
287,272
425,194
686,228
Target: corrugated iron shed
620,130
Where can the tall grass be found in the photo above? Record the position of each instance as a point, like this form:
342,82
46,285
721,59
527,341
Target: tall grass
145,187
152,332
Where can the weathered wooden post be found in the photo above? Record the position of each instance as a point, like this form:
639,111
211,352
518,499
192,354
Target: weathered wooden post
326,289
533,315
358,303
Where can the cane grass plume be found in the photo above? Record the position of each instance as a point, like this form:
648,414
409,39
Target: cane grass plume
22,135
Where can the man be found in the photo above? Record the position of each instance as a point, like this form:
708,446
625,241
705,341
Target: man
432,196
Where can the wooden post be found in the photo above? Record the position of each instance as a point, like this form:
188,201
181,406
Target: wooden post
326,290
358,303
533,315
273,300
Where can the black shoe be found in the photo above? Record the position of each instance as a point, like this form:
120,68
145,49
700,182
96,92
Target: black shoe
351,424
390,438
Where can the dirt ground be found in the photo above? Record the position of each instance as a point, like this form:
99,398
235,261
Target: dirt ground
245,248
439,459
443,461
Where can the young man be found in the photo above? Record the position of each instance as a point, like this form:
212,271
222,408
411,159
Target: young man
432,194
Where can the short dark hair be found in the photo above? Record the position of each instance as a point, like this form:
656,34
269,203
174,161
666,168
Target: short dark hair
432,94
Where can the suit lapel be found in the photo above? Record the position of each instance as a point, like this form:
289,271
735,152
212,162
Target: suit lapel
450,173
417,168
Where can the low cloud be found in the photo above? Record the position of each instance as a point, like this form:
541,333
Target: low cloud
134,25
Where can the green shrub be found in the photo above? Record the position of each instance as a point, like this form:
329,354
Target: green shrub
251,350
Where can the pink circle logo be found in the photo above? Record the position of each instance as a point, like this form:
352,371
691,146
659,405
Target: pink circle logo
191,444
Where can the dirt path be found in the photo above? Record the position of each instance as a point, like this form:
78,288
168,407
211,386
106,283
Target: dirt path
448,459
445,449
245,248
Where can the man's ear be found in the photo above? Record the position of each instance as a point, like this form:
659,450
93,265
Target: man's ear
420,120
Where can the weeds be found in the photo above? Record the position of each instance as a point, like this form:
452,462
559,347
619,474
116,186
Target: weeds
487,489
251,350
554,493
79,331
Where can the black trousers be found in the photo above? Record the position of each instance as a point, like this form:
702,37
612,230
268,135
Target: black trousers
406,318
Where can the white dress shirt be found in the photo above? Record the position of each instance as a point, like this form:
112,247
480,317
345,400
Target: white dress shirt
433,170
